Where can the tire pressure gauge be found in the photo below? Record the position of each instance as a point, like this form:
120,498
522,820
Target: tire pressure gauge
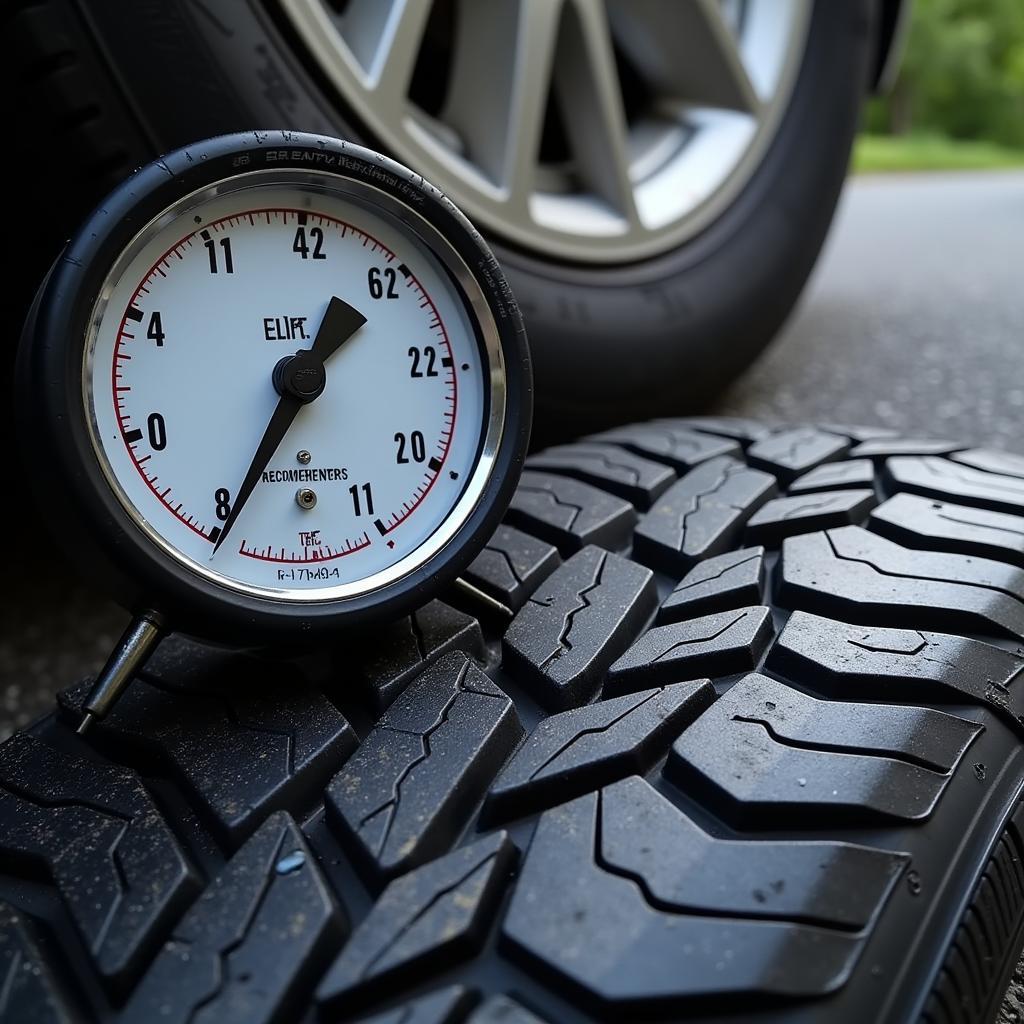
276,386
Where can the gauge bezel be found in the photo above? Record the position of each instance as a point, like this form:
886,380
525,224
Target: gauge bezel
82,497
486,337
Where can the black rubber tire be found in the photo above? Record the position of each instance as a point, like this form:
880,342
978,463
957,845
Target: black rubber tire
559,817
116,84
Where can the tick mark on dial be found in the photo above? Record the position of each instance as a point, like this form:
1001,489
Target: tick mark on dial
435,464
204,234
381,528
134,314
404,270
303,218
214,534
447,361
131,436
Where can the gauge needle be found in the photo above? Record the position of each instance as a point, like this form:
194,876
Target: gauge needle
299,380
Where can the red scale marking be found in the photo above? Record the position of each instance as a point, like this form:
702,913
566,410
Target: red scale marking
266,555
122,336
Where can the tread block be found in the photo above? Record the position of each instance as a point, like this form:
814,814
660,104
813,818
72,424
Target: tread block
624,473
678,447
771,755
290,738
583,617
512,566
713,645
940,478
569,513
445,1006
919,522
718,584
433,917
1007,463
117,866
181,663
397,653
630,964
804,513
409,789
701,515
29,991
831,884
834,476
858,576
578,751
793,451
256,937
884,447
736,427
899,665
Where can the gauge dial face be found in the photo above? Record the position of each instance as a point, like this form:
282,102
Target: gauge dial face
292,389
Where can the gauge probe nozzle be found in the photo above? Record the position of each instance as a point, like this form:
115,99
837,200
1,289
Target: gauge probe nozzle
132,651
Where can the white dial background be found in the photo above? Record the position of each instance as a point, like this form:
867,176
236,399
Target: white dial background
178,422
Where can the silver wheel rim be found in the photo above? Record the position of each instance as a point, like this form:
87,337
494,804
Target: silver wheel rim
593,131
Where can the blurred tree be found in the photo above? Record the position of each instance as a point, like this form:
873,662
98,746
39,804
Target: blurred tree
962,73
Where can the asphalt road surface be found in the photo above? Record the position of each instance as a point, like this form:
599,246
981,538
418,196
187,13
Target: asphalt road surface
914,319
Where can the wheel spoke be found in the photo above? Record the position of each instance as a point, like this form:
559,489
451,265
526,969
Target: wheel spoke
587,83
499,87
686,50
385,37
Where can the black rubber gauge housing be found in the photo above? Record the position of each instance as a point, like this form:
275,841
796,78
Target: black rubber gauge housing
86,512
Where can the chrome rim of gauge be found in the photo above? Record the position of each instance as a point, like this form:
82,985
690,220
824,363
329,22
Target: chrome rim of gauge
376,475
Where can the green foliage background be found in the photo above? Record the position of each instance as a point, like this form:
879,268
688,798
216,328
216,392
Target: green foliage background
962,74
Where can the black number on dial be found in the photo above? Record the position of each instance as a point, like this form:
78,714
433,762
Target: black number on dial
211,251
157,431
223,498
428,354
155,332
301,246
383,284
417,447
357,506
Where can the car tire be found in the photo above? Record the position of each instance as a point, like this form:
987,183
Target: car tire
118,84
745,743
